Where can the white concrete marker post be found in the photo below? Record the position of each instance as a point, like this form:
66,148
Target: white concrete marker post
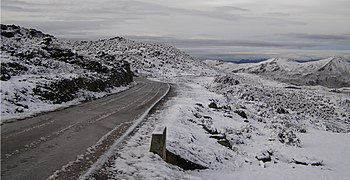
158,141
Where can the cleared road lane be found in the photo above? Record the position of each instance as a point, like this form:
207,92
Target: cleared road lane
36,147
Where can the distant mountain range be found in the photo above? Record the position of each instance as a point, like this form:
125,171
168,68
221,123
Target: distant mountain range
333,72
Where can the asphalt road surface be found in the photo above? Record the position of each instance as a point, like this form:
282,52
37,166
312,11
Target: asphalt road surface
35,148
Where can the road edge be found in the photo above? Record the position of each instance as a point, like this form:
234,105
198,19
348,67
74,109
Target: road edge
104,158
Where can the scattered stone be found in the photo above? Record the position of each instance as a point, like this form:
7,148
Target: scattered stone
200,105
197,115
241,113
7,34
281,110
228,115
207,117
307,162
227,80
210,130
235,138
213,105
225,142
226,107
288,137
217,136
302,130
185,164
20,109
191,120
264,156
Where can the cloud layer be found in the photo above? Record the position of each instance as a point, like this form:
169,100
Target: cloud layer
204,28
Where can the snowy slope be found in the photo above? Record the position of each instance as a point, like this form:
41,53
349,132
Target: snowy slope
146,59
330,72
258,129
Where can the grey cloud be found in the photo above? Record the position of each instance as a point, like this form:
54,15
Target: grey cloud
19,3
230,56
89,19
240,49
126,9
21,6
342,37
231,9
67,29
278,14
180,42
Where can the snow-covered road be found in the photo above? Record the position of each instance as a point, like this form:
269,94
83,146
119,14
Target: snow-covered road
36,147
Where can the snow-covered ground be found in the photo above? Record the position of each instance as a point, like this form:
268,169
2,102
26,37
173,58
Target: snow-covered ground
268,144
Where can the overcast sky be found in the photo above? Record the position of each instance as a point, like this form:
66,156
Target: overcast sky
217,29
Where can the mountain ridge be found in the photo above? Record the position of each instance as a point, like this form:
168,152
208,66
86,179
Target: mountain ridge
333,72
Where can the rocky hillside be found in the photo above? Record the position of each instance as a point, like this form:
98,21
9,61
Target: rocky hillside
146,59
41,72
37,70
332,72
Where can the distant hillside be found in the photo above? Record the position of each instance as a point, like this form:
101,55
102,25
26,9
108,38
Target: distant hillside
332,72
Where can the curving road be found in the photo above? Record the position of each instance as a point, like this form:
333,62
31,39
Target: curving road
35,148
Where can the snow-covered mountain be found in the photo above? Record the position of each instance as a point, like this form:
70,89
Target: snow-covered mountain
41,72
330,72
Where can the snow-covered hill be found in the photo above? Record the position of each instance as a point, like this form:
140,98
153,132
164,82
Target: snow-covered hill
40,72
330,72
146,59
